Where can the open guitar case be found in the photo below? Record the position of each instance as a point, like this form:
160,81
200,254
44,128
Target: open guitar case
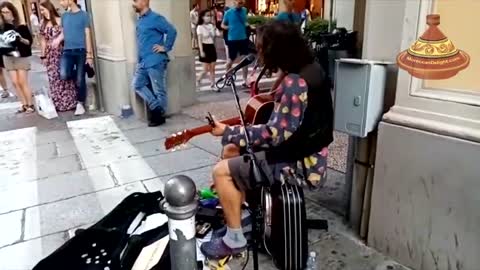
108,244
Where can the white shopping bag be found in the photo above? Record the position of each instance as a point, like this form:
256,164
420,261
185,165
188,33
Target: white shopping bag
45,106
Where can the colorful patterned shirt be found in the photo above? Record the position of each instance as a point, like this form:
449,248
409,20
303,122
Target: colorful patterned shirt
291,98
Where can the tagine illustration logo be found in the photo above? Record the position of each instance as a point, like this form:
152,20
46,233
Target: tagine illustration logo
433,56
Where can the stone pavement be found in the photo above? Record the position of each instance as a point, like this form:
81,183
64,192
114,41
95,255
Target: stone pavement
58,175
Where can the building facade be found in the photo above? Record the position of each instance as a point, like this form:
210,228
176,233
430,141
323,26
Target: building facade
425,207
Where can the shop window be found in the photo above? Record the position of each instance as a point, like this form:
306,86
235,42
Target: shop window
457,22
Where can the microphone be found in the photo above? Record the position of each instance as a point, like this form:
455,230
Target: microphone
245,62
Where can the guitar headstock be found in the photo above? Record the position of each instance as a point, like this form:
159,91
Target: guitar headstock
178,139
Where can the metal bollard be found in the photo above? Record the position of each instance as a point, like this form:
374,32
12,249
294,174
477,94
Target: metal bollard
180,206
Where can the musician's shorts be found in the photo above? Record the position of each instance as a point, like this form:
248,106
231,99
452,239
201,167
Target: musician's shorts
240,170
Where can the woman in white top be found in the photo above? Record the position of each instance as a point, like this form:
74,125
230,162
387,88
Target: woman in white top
207,32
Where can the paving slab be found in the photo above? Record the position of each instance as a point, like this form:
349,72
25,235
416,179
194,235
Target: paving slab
66,148
153,148
106,157
202,178
14,170
55,188
209,143
132,170
100,142
11,231
332,194
338,251
180,122
129,123
54,136
58,166
63,215
25,255
46,151
144,134
180,161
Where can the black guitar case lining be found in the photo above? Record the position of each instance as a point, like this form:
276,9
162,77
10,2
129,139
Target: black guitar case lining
106,245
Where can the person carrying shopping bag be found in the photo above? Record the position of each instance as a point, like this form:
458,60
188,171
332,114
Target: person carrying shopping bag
18,63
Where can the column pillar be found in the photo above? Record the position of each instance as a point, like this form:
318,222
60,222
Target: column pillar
229,3
281,6
112,51
19,5
181,69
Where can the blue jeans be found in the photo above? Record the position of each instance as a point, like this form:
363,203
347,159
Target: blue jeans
72,67
149,83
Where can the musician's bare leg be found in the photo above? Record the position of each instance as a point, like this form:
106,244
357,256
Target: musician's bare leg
230,197
230,151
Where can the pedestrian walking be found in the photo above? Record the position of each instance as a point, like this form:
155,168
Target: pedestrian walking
77,50
155,38
3,51
224,32
289,15
35,24
19,64
62,92
305,17
218,16
207,32
193,25
235,22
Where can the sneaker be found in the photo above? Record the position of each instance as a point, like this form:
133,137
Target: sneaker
5,94
216,249
80,109
214,88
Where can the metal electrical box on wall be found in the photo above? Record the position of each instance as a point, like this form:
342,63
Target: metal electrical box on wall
359,95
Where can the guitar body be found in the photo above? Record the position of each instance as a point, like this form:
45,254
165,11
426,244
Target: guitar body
259,109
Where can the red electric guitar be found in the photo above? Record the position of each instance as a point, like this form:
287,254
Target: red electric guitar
258,110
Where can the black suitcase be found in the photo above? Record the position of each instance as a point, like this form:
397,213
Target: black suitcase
285,228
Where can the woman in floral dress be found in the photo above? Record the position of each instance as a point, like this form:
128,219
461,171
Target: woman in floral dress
63,93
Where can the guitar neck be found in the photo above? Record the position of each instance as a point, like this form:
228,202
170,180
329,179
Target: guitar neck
207,128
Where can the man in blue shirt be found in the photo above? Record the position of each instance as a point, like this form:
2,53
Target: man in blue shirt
155,37
77,50
289,15
235,22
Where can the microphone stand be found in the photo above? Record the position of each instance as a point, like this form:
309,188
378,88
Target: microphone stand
257,179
